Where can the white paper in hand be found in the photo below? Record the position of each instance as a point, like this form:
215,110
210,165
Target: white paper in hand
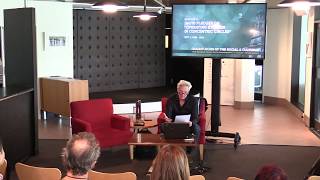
182,118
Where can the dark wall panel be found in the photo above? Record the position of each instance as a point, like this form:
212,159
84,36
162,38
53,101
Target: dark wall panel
153,52
116,52
317,13
75,40
20,47
18,124
296,61
187,68
124,48
18,101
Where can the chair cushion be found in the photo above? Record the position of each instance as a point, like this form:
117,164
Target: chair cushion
109,137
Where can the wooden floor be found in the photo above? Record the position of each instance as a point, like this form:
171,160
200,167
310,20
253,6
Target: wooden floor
266,124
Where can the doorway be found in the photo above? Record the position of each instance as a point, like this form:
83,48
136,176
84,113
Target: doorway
315,95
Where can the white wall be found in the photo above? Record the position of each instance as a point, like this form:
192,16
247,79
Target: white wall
9,4
307,97
244,80
227,82
277,64
207,79
56,19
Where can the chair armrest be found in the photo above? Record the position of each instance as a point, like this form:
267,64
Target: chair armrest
202,124
120,122
79,125
161,119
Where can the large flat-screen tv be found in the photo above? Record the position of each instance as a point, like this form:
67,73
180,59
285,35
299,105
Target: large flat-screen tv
219,30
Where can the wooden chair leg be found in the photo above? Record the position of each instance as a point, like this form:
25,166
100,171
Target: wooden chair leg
201,151
131,147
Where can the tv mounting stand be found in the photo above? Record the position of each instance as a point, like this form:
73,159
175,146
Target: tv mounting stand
215,106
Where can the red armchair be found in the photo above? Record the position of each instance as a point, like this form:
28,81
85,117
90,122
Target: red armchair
202,121
96,116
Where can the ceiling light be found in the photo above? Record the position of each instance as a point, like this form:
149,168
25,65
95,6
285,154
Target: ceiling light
145,16
110,6
295,3
300,7
160,10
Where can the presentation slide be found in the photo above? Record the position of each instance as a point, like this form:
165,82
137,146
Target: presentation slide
219,30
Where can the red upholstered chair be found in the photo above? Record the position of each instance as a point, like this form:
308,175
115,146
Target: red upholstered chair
202,121
96,116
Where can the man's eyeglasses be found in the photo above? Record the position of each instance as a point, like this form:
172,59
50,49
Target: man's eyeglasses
182,93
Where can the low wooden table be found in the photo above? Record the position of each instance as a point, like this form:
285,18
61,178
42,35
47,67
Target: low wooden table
147,124
143,139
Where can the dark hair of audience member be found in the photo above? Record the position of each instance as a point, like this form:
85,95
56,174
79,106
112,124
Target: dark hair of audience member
271,172
80,161
171,163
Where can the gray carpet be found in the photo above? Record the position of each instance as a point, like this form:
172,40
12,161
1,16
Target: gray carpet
223,160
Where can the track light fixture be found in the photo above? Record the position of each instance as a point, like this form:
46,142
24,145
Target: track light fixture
145,16
110,6
301,7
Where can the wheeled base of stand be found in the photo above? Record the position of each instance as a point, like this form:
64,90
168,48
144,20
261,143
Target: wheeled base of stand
236,136
198,169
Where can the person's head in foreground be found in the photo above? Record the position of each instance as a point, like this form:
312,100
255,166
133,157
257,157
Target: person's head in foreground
171,163
2,154
183,89
2,157
271,172
80,155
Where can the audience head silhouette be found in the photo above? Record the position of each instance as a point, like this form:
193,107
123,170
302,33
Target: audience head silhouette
80,154
2,154
271,172
171,163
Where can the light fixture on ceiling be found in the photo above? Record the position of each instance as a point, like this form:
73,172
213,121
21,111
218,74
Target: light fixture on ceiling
160,10
110,6
300,7
145,16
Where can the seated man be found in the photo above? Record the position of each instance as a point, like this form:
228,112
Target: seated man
183,103
80,155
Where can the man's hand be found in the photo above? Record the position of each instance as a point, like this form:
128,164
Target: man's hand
166,118
190,123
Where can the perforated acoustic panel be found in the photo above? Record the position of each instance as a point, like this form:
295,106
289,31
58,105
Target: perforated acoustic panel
117,52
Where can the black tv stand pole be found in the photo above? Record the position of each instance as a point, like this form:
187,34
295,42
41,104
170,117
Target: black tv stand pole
215,106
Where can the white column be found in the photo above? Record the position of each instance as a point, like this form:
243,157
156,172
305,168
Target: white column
244,83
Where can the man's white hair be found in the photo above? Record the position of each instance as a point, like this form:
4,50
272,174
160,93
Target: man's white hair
184,83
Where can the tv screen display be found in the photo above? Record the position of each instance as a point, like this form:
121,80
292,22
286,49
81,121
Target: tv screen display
219,30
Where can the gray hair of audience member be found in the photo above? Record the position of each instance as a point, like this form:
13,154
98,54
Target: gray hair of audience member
81,153
184,83
171,163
